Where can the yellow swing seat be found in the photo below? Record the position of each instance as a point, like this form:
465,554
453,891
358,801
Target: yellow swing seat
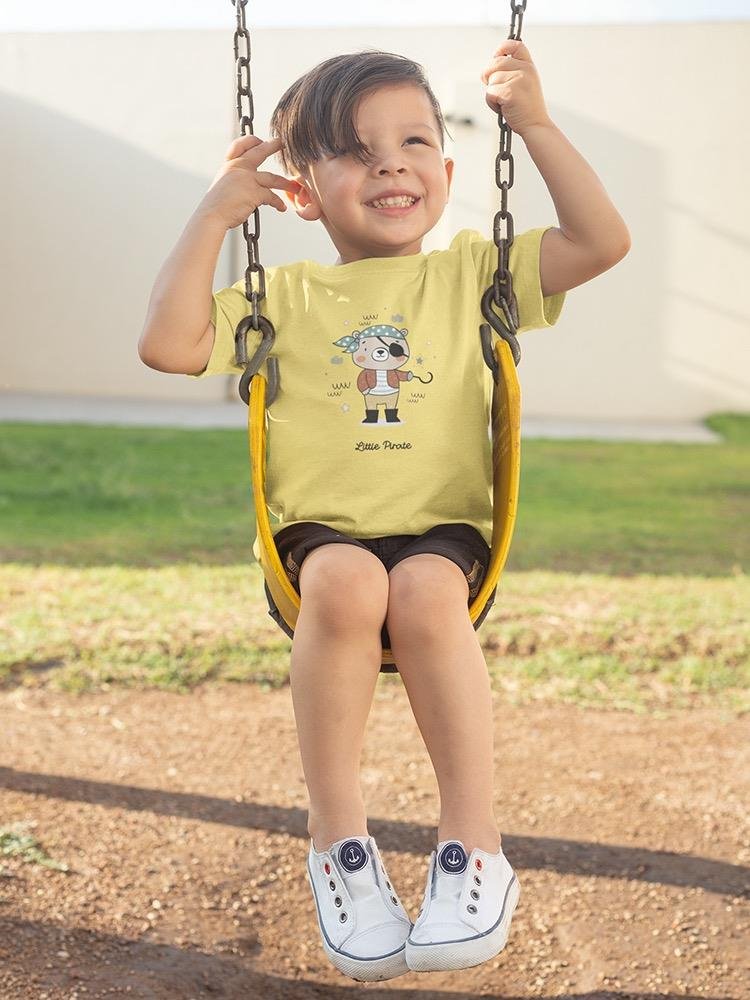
506,457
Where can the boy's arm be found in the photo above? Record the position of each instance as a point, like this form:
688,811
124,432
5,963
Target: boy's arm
178,334
592,236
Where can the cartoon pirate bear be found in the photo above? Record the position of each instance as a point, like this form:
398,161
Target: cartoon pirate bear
379,351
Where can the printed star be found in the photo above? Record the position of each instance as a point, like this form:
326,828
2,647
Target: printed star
420,360
398,318
345,407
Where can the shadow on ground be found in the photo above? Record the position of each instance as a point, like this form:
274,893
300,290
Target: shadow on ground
161,972
571,857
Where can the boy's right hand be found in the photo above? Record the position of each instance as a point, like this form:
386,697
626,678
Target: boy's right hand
239,188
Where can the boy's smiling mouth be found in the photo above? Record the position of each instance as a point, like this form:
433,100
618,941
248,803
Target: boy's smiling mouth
393,205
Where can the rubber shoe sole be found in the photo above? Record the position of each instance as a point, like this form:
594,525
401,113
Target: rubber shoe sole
466,952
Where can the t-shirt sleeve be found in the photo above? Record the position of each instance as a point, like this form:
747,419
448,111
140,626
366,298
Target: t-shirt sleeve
229,306
535,310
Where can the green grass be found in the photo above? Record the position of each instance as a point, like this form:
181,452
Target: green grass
80,495
128,562
88,495
588,506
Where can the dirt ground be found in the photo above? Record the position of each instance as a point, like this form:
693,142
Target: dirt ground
183,821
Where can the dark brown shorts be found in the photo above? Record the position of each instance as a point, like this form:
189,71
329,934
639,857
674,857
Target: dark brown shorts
461,543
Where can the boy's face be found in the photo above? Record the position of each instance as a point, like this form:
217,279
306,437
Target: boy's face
398,126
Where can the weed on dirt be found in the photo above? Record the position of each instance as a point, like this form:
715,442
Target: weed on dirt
16,841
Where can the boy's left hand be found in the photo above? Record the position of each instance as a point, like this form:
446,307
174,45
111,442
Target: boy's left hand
513,86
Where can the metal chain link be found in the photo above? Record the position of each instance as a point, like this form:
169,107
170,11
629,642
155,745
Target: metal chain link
501,293
245,118
255,320
503,281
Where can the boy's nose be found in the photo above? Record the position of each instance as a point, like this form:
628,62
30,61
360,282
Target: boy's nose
392,161
388,169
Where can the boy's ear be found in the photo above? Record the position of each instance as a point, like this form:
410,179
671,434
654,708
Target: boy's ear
303,201
449,171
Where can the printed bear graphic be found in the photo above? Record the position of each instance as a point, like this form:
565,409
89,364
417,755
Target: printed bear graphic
379,351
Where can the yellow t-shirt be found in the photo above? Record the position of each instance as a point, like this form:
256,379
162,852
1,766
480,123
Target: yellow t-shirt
380,426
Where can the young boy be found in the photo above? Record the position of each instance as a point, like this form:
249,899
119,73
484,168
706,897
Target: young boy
379,459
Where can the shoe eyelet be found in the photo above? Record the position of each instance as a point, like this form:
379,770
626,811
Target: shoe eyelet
471,908
343,917
478,863
327,868
477,880
394,900
332,885
474,894
337,901
388,884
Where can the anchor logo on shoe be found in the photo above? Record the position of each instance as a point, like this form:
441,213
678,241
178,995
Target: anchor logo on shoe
352,856
453,859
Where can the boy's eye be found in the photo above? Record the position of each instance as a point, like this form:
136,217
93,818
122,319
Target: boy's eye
417,137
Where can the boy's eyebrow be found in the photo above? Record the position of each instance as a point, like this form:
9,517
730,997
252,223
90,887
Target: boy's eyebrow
419,125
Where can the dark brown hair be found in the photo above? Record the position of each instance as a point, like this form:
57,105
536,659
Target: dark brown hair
315,117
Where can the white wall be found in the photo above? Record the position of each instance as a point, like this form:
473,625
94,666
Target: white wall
110,140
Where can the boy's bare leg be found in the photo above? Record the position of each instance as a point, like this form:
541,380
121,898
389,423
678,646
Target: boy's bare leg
445,675
335,662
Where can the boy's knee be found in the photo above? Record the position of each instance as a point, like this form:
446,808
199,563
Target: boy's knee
425,591
346,585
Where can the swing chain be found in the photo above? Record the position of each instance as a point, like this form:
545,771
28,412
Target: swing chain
245,117
256,320
500,294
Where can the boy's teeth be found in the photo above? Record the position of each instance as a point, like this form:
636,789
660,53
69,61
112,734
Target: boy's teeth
403,201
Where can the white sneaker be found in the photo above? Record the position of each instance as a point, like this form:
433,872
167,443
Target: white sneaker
466,912
363,926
